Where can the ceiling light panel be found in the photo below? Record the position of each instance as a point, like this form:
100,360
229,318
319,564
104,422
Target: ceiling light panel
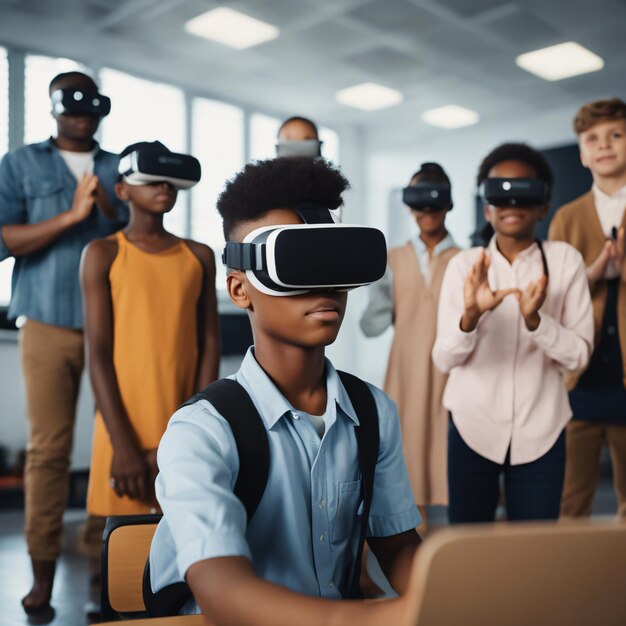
231,28
450,116
369,96
561,61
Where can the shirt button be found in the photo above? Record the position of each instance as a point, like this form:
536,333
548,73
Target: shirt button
331,584
296,416
321,504
322,538
610,330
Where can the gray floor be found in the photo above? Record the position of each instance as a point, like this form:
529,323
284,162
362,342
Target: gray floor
72,580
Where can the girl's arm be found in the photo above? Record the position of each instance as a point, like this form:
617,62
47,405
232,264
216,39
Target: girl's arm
378,315
569,341
208,319
129,470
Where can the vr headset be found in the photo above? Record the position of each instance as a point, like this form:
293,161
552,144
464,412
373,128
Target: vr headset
297,258
154,163
523,192
72,101
305,148
427,196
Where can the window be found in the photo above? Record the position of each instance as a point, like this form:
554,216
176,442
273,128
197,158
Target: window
143,110
6,266
263,132
218,143
330,147
4,101
38,72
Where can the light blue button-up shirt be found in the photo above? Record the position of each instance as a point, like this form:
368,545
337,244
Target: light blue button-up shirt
304,534
36,185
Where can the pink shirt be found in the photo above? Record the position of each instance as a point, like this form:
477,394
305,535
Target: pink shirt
506,384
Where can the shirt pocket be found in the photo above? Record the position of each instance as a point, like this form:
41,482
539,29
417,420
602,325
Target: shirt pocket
349,510
42,186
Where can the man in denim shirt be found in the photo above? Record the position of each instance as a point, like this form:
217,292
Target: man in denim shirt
55,197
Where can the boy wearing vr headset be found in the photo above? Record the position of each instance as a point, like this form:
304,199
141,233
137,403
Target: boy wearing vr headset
152,331
407,297
511,318
326,483
595,225
55,197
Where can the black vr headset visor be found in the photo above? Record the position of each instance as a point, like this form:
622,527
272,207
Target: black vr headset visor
523,192
298,258
74,101
154,163
427,196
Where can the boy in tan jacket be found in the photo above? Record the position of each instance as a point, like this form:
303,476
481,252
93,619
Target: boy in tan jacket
594,224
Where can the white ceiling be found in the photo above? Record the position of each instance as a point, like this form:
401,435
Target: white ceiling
436,52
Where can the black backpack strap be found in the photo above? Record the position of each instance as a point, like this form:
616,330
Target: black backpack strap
234,404
368,440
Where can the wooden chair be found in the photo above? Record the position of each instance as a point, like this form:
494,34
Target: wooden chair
532,574
125,548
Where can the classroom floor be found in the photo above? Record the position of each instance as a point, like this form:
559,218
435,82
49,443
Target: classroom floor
71,586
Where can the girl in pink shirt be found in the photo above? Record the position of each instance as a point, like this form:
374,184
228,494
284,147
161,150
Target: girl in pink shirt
512,318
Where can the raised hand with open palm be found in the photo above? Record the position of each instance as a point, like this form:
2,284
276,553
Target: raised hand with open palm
478,297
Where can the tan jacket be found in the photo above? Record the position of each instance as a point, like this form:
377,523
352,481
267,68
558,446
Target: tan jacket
412,380
577,223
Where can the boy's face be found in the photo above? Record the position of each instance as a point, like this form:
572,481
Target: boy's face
429,222
514,221
158,198
603,148
306,320
297,131
76,127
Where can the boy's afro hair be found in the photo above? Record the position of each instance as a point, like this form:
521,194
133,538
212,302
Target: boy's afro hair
517,152
279,183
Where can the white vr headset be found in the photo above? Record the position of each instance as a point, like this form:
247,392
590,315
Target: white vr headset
305,148
288,260
154,163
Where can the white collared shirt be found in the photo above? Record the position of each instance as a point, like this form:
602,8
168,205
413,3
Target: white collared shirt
610,208
506,387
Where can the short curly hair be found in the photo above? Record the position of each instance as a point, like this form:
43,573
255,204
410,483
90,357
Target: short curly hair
279,183
592,113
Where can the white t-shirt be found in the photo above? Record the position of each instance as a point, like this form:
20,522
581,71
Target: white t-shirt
79,163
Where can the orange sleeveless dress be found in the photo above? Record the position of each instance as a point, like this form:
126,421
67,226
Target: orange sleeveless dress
155,354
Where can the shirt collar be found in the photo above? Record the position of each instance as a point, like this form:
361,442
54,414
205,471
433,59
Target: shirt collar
49,144
445,244
495,253
602,198
273,405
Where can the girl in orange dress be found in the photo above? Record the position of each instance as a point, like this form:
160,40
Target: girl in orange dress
152,337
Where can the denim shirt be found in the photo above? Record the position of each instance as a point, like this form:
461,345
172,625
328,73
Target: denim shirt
36,185
304,534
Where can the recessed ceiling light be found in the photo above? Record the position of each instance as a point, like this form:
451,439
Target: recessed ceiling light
231,28
450,116
368,96
560,61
